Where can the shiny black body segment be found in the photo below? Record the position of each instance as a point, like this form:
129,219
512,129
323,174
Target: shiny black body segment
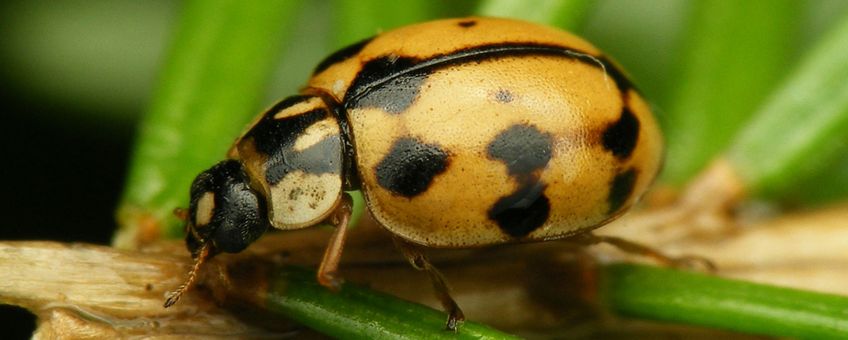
276,137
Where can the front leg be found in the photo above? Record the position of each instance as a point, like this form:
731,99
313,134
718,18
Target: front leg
328,270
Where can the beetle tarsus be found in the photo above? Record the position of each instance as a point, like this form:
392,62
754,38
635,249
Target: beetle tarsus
455,319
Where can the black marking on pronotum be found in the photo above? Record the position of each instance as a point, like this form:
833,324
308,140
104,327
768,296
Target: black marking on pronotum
383,71
621,136
523,211
275,138
504,96
319,158
621,188
410,166
467,23
342,55
523,148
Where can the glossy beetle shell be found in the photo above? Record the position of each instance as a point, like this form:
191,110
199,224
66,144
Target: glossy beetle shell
476,131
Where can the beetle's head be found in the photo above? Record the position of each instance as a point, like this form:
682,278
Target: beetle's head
225,215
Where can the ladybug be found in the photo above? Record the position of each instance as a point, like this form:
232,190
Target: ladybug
460,133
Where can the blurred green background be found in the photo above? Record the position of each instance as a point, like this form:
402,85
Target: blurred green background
76,75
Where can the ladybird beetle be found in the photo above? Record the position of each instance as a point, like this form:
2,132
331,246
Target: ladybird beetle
459,133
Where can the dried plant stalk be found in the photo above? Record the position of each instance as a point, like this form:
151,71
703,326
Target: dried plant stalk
87,291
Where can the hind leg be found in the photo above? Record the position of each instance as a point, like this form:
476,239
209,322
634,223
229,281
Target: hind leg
631,247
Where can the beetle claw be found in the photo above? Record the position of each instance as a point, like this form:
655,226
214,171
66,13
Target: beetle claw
331,281
454,321
693,262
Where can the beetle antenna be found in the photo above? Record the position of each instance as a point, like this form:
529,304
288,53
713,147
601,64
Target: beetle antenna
174,296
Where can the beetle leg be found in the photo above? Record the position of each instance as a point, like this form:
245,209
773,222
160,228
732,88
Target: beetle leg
328,270
643,250
420,261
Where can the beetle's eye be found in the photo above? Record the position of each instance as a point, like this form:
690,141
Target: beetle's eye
224,212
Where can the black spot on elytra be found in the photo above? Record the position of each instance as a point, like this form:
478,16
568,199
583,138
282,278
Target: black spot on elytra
503,96
275,138
341,55
620,189
410,167
467,23
526,151
316,159
621,136
393,88
523,211
523,148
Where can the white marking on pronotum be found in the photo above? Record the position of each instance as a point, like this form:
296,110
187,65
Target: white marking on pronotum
300,107
316,195
338,85
316,133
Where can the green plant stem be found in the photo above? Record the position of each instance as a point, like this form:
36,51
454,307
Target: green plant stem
359,313
568,14
801,128
828,184
697,299
733,54
211,85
